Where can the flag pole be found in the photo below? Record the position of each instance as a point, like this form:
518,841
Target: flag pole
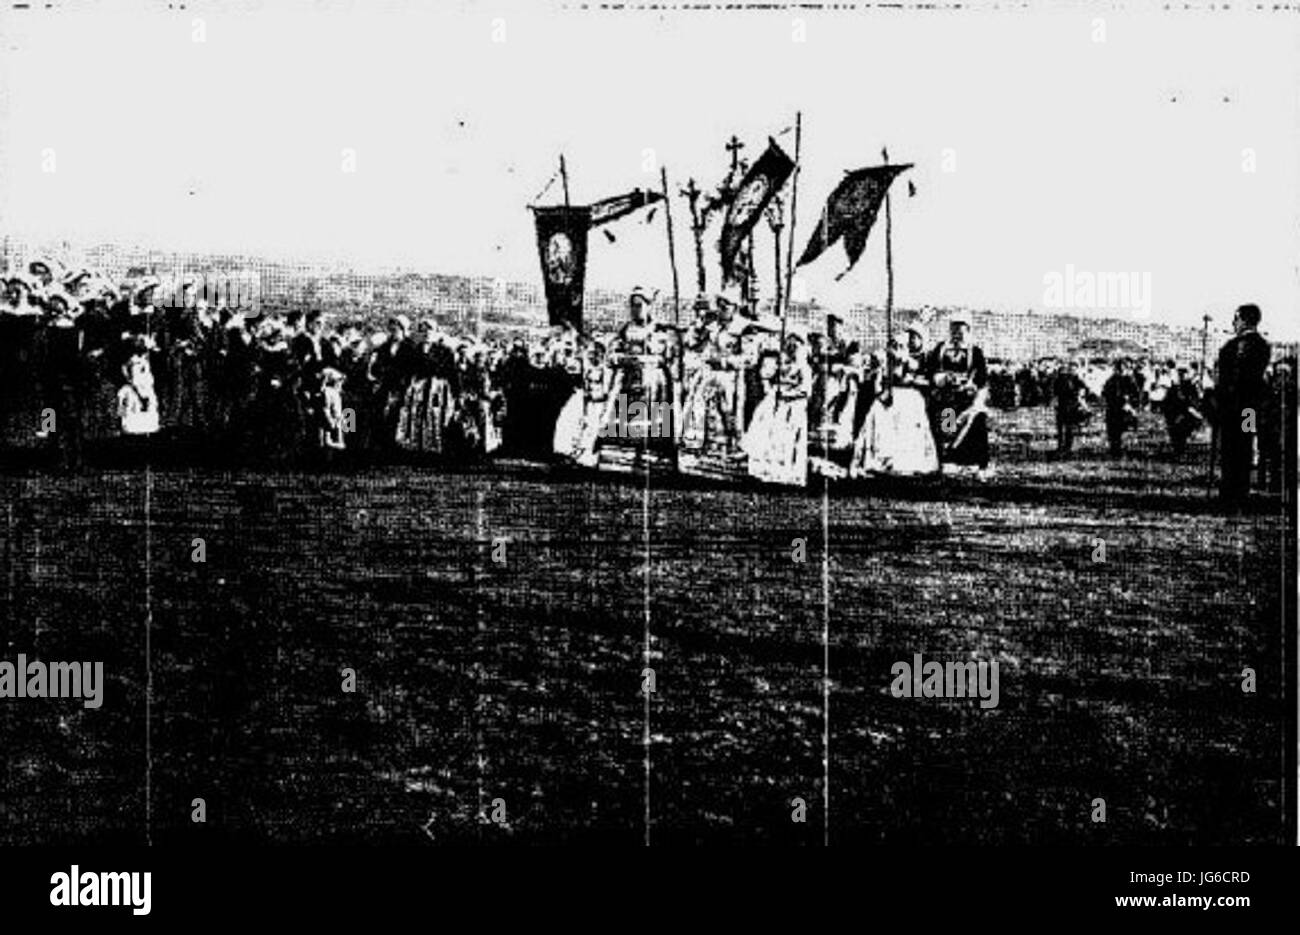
1205,340
564,177
672,251
889,280
794,205
794,194
672,262
776,269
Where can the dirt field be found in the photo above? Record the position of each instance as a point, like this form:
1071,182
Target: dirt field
520,680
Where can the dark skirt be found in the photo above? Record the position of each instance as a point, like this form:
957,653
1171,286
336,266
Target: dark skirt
962,437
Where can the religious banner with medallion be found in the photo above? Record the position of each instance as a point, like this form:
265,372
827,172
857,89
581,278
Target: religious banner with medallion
756,190
562,248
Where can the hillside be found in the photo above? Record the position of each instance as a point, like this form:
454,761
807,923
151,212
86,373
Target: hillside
494,307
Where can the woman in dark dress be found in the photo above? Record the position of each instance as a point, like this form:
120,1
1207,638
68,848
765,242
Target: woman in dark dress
959,400
277,417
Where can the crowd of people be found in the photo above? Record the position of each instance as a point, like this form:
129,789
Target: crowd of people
85,360
730,394
1247,401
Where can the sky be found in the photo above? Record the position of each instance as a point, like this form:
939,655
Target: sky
1045,138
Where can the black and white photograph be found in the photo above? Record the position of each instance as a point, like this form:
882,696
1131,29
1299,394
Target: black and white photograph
502,424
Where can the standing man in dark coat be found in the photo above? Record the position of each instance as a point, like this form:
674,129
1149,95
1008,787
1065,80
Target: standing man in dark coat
1120,394
1179,405
1242,394
1069,391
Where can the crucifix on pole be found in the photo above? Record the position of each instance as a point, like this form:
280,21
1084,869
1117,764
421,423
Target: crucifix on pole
692,195
734,146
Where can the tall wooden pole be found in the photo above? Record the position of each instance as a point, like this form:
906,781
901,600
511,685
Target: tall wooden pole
776,243
746,249
784,308
672,250
794,206
751,272
564,177
1205,340
677,300
889,281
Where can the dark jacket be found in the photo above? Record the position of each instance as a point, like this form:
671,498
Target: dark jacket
1120,394
392,368
1241,365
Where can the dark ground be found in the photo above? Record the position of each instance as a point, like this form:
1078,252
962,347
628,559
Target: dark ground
522,681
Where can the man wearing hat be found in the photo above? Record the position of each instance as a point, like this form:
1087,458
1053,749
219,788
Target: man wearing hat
1241,396
958,407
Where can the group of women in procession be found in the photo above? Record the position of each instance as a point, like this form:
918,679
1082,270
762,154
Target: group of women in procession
735,394
731,395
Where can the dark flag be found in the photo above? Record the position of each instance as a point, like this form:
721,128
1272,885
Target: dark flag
759,186
562,247
851,211
611,209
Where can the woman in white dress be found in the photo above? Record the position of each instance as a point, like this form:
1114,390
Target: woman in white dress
896,437
777,438
578,427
